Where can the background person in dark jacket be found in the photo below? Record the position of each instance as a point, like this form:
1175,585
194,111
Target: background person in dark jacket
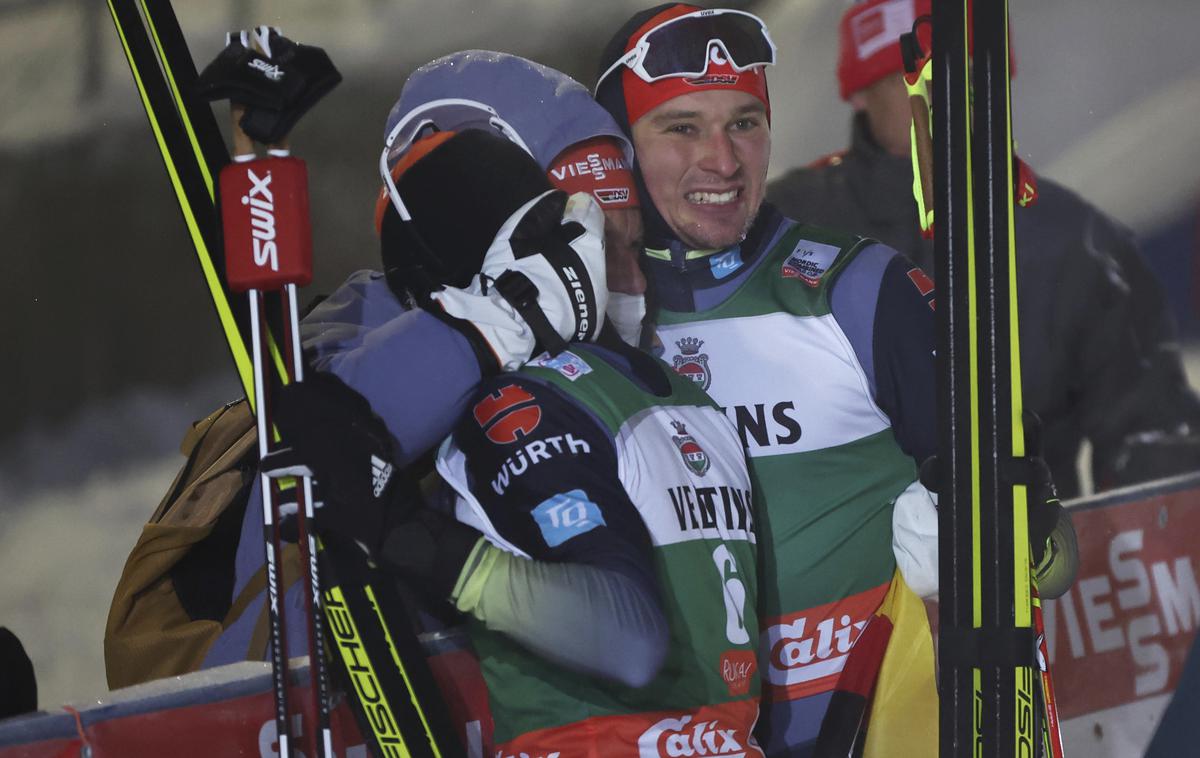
18,685
1100,358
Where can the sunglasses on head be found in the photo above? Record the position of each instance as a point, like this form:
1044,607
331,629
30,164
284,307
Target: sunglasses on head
446,114
686,45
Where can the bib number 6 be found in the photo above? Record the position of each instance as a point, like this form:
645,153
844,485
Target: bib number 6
734,593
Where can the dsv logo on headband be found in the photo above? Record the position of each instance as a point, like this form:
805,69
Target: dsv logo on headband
715,57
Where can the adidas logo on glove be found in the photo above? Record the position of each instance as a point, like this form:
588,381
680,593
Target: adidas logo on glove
381,474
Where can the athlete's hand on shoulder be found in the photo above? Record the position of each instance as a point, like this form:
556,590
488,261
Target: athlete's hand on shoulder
430,549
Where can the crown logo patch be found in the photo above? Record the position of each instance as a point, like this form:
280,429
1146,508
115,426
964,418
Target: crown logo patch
692,363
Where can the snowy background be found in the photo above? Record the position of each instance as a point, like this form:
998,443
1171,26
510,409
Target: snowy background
111,346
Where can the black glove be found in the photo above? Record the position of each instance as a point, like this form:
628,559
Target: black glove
1043,505
330,430
276,85
1052,545
430,549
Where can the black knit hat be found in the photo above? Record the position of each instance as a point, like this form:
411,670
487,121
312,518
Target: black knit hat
458,195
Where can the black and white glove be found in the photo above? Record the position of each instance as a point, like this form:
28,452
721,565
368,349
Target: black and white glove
542,283
331,433
275,79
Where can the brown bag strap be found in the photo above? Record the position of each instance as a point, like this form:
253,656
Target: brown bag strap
213,446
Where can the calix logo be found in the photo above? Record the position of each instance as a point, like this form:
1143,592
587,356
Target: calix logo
674,737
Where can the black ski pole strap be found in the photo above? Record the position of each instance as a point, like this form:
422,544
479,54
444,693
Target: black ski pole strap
522,295
987,647
1030,471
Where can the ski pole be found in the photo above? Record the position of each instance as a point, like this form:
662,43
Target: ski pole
918,73
318,672
264,204
391,690
1051,728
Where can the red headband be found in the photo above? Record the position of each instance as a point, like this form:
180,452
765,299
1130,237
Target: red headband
642,97
596,166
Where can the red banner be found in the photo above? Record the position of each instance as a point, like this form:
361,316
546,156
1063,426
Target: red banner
1118,637
1124,629
200,719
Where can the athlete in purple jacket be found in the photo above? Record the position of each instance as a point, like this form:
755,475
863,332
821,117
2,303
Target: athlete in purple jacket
418,366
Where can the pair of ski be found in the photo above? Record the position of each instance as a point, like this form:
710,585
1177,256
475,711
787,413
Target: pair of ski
996,695
350,608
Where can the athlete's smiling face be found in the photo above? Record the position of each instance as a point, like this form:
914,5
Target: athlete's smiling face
704,159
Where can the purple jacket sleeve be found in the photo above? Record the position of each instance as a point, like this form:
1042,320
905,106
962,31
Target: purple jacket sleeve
884,304
416,371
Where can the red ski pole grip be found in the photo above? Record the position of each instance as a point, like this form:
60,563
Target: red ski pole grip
264,211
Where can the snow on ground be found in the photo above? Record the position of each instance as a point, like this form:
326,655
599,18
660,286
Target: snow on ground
72,503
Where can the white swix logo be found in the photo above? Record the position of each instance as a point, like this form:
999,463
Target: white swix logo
270,70
262,219
381,473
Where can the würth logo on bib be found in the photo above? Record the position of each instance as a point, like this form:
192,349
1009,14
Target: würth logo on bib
508,414
693,455
691,362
